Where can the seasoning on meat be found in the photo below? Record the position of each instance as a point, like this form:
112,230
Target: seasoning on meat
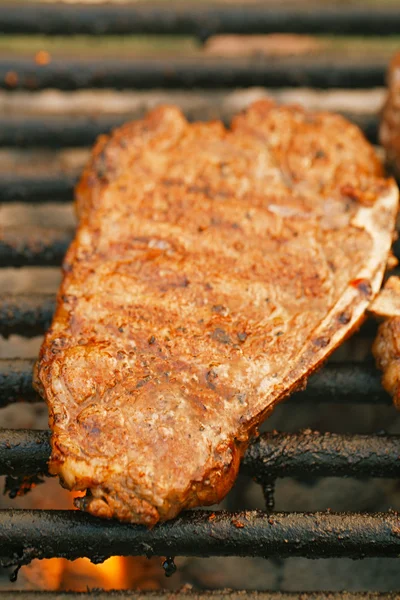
212,271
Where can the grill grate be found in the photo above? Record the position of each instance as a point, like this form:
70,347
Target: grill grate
26,534
45,534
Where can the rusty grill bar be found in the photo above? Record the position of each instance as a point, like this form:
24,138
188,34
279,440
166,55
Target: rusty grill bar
25,534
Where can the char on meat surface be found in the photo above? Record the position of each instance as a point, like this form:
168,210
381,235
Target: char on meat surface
213,270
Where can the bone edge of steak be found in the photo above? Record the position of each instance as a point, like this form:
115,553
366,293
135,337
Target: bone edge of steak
373,272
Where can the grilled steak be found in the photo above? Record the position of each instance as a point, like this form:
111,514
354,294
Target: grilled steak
212,271
389,131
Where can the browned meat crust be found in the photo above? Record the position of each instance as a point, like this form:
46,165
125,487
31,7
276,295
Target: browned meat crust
212,271
389,132
386,347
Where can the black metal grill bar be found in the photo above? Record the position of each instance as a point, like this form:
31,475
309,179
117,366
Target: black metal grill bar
57,132
34,246
26,534
197,595
26,315
19,188
74,131
200,20
348,383
26,452
16,381
328,454
319,72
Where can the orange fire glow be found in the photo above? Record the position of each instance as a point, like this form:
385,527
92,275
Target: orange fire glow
78,575
116,573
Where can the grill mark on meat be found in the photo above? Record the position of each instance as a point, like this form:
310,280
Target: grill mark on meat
204,291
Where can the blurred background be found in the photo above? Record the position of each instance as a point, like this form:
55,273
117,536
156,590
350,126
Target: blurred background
43,48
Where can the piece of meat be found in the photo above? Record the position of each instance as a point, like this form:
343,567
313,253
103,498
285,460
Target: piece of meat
212,271
387,302
386,347
389,132
386,307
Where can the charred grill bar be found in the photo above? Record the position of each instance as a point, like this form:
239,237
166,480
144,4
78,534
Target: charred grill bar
31,189
72,534
25,315
320,72
198,20
24,534
41,247
26,452
16,381
56,132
